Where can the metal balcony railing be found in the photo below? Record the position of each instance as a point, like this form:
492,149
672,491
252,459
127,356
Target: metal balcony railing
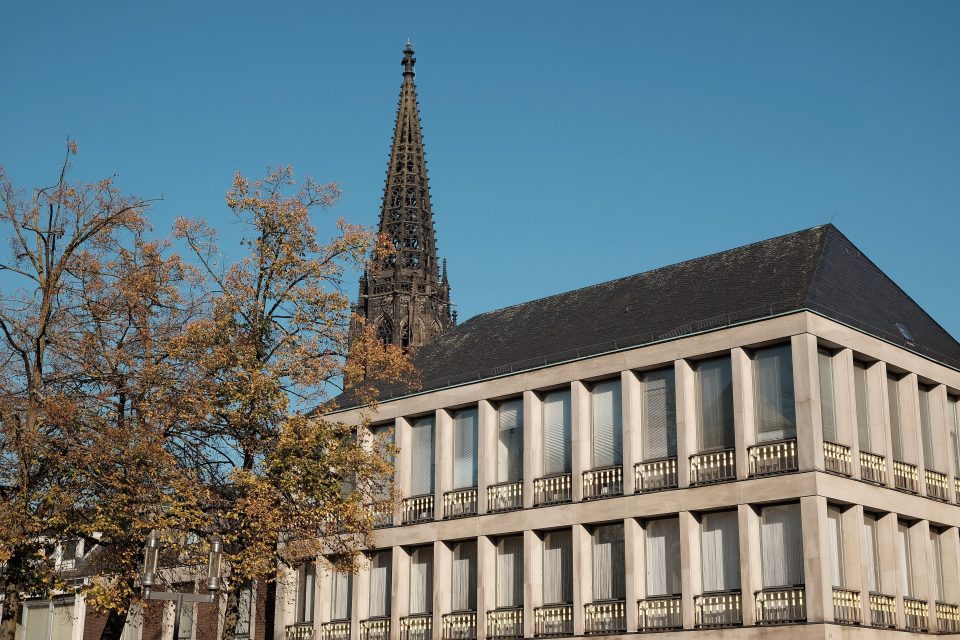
781,606
847,608
837,458
605,617
938,486
552,489
718,610
299,631
336,630
553,620
375,629
660,614
716,466
505,624
417,627
460,503
873,468
948,618
382,513
905,476
916,614
461,625
773,457
655,475
603,483
418,509
883,611
505,496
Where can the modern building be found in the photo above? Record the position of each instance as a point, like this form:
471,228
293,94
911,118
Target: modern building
757,443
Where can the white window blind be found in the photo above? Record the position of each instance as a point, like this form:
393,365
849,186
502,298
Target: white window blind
463,588
46,621
380,577
926,428
465,448
862,395
556,432
306,589
872,551
720,551
906,561
893,412
659,427
663,557
557,568
510,572
421,580
715,398
510,441
835,533
781,544
937,563
953,416
607,428
421,457
776,411
609,580
341,594
828,408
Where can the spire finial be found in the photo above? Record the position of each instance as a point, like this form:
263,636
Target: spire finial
408,59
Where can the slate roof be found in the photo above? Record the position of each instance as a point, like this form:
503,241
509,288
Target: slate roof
816,269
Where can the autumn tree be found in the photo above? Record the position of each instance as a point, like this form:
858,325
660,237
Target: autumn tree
270,350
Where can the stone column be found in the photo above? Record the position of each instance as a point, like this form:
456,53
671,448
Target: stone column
400,589
878,404
630,387
633,559
818,591
486,582
690,575
579,436
360,606
442,579
751,579
855,560
888,553
443,459
285,601
532,579
806,383
846,407
486,452
532,444
582,575
941,437
401,470
323,593
924,571
687,445
743,409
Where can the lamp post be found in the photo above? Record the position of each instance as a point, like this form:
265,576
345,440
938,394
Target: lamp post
149,579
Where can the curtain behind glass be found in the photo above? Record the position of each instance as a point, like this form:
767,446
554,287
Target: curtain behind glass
464,584
781,545
835,533
861,394
720,551
663,557
341,594
421,457
776,411
715,378
906,561
893,411
607,429
871,551
926,429
380,570
465,448
953,416
510,572
305,592
937,562
609,581
659,426
828,409
556,432
510,441
557,568
421,580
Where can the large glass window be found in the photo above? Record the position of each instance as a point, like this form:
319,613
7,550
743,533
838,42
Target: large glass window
776,410
558,568
306,590
464,580
421,457
715,404
663,557
720,551
835,532
781,544
380,577
341,594
936,547
421,580
953,423
510,441
556,432
862,395
607,429
926,427
659,422
465,448
828,406
893,412
906,559
872,551
510,572
609,580
48,621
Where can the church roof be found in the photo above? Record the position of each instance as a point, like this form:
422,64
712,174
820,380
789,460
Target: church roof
816,269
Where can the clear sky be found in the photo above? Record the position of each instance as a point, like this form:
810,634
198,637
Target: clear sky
568,142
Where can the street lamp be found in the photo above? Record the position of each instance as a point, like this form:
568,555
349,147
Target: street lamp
149,578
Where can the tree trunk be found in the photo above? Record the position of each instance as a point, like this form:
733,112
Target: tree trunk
12,599
113,629
231,613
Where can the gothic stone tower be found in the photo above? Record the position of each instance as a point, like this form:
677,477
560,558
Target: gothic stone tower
406,295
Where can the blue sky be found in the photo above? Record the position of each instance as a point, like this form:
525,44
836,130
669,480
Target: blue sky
568,142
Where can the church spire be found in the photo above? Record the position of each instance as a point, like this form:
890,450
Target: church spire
405,298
